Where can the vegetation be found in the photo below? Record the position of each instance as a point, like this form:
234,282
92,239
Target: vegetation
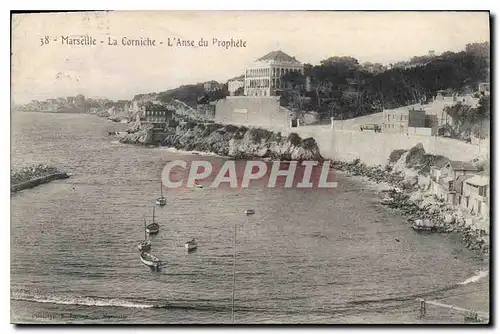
192,95
259,134
308,143
469,121
342,88
294,139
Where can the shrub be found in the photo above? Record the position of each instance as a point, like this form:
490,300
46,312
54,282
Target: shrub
231,128
309,143
276,137
294,139
258,134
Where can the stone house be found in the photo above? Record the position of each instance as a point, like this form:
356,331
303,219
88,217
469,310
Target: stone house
475,195
447,179
158,115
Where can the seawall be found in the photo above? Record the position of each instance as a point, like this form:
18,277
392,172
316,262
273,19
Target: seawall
374,148
37,181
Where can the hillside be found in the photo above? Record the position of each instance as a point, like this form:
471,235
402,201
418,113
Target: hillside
343,88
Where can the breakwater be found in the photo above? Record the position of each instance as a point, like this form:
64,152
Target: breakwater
38,181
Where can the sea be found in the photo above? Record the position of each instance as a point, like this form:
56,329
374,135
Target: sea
304,257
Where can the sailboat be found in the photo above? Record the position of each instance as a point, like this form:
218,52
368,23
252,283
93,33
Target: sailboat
153,228
162,200
145,244
191,245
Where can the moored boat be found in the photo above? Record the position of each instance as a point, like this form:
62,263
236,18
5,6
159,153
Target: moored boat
249,212
197,184
150,260
153,228
191,245
162,200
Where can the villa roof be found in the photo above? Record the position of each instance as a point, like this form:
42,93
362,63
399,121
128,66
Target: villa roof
278,56
462,165
440,164
479,180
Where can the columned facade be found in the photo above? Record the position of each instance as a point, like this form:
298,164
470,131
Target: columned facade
263,78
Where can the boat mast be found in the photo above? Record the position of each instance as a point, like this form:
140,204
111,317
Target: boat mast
145,233
161,189
153,214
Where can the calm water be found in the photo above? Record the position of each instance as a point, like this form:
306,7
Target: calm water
305,256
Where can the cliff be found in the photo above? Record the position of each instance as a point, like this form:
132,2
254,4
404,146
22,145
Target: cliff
138,135
229,140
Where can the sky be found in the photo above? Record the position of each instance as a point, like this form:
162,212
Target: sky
120,72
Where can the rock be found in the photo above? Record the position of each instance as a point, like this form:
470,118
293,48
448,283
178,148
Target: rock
416,197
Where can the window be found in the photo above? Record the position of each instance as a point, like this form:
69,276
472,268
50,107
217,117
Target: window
482,191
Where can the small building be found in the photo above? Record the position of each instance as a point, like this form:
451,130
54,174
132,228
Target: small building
475,195
437,173
457,168
158,115
395,120
447,179
406,120
211,86
235,83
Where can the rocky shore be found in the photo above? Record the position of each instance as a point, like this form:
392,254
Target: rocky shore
32,176
226,140
409,195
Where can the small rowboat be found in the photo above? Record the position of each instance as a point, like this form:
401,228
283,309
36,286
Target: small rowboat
197,184
151,261
161,201
249,212
153,228
144,245
191,245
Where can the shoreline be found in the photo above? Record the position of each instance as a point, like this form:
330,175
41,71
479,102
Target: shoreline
411,200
